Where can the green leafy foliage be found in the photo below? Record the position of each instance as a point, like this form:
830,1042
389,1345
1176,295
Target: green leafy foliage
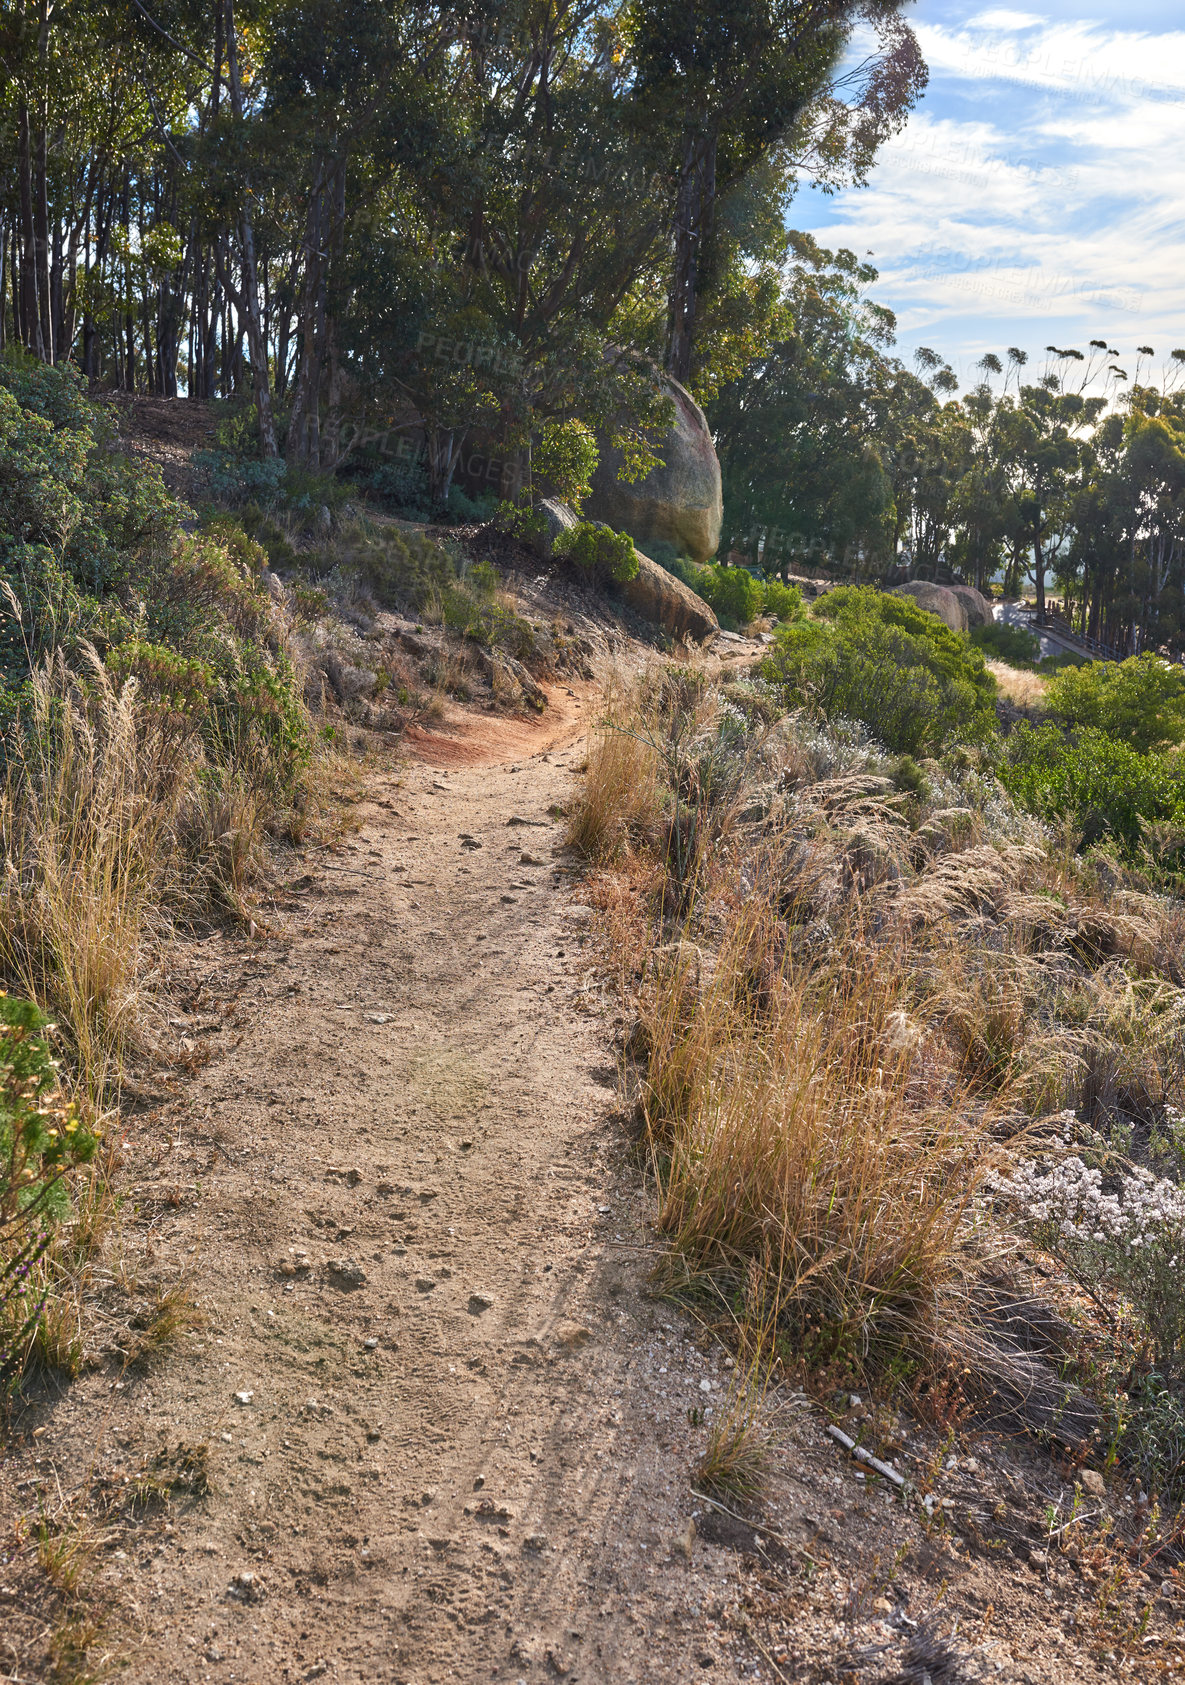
566,458
870,656
1106,788
784,602
599,552
1140,701
42,1137
1007,643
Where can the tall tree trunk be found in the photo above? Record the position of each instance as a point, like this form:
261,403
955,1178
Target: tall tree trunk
30,303
694,212
256,340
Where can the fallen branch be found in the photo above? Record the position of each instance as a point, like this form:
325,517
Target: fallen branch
860,1455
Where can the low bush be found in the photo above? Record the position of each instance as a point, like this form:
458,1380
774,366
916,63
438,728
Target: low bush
43,1137
1139,702
598,552
1007,643
870,656
1103,787
784,602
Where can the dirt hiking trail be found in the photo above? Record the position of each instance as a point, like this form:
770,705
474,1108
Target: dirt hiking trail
415,1373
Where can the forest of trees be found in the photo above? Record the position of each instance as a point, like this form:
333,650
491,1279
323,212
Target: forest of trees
374,219
1067,478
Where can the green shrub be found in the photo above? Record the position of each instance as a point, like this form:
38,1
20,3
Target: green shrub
1140,701
733,592
784,602
870,656
598,551
1007,643
42,1136
1105,788
244,479
404,484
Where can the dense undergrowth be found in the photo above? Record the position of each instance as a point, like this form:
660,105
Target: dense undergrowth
895,1040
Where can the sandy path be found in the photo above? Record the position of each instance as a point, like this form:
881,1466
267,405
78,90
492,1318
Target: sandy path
456,1452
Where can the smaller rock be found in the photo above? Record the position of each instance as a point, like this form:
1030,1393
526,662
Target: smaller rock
573,1335
1092,1481
479,1482
705,1386
526,859
372,1344
682,1542
378,1017
1039,1559
245,1587
346,1273
468,841
424,1284
535,1541
244,1397
882,1606
479,1302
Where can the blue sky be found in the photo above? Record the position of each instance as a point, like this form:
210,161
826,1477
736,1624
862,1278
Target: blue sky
1037,194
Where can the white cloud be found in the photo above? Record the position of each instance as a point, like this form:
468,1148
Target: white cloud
1038,191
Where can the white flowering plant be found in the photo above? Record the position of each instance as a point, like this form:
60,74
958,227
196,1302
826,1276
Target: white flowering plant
1123,1230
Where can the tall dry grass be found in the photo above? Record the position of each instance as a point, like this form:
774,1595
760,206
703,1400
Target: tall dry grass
800,1164
88,813
858,1007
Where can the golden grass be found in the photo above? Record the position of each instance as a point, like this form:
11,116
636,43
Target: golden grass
851,1016
798,1165
620,795
1017,685
86,812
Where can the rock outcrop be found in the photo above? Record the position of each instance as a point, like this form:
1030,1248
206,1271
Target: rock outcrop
559,518
657,595
976,605
936,599
681,502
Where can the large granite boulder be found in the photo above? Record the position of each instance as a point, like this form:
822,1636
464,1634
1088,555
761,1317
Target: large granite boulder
935,599
657,595
975,604
679,503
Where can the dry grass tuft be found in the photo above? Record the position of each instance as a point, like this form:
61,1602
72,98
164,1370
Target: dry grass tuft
1022,688
619,798
742,1438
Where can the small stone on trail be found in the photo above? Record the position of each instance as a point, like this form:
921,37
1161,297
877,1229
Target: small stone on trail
469,842
479,1482
535,1541
424,1284
371,1344
682,1542
1092,1481
345,1272
244,1397
526,859
705,1386
478,1302
573,1335
378,1017
1038,1559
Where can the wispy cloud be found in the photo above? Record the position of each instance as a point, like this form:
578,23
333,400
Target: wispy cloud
1037,195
